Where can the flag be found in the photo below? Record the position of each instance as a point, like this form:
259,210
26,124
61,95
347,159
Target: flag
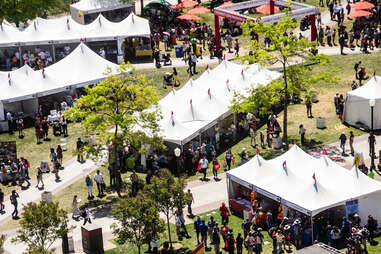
190,75
294,141
257,152
209,92
190,101
36,15
314,177
207,67
284,165
325,151
224,56
200,249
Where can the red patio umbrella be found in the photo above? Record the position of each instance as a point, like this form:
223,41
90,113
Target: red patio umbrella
265,9
359,13
362,5
226,4
189,17
187,4
198,10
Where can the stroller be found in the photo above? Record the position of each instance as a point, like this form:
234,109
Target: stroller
56,128
168,80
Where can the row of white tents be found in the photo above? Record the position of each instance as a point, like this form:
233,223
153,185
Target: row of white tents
82,67
66,30
201,103
289,179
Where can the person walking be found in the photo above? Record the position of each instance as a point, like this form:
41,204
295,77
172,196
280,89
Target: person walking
2,206
250,243
59,153
204,233
302,132
86,216
64,126
204,166
351,139
194,63
23,176
98,178
190,213
14,196
39,177
224,212
89,185
309,107
76,213
236,47
10,123
343,140
79,150
216,167
197,228
228,158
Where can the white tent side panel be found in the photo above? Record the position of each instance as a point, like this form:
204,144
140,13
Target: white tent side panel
30,106
2,117
368,205
357,110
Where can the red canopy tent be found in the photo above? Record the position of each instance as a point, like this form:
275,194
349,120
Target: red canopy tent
359,13
362,5
189,17
198,10
266,9
187,4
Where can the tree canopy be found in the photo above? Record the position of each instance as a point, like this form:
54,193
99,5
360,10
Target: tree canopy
119,112
41,225
139,220
22,10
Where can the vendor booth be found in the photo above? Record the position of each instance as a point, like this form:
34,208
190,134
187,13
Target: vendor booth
24,87
183,110
86,11
304,185
57,38
358,105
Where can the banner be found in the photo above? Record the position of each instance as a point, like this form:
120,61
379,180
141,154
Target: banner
351,207
199,249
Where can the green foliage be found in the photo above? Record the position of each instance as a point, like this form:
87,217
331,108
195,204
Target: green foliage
287,49
168,193
22,10
138,217
33,249
123,102
41,225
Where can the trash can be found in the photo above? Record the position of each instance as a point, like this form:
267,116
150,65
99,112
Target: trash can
320,122
47,197
179,51
92,240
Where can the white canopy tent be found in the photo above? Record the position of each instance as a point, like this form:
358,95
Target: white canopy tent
201,103
357,110
82,67
294,186
66,30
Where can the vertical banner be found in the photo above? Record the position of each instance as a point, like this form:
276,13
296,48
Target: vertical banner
351,207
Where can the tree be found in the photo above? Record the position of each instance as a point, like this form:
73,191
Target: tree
41,225
138,220
125,104
168,193
287,49
22,10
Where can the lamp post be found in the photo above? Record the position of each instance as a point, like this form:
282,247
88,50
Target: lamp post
372,102
177,152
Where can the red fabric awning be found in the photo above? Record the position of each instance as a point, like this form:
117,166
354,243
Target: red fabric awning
265,9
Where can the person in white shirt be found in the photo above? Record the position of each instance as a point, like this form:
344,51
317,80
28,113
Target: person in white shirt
86,216
10,122
98,178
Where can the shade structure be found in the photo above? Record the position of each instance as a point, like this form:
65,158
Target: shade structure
362,5
198,10
187,4
81,67
66,30
266,9
359,13
226,4
357,110
309,184
189,17
96,6
184,110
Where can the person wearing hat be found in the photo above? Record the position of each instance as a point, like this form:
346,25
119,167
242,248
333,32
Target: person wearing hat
287,237
280,241
297,230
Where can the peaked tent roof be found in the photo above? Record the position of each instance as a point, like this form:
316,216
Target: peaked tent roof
81,67
294,185
184,114
66,30
94,6
370,90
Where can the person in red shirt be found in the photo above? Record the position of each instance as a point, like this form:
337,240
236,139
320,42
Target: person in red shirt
224,211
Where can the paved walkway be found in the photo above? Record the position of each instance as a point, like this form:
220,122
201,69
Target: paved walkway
208,195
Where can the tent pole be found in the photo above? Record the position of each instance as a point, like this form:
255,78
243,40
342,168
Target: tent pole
54,53
312,230
21,62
